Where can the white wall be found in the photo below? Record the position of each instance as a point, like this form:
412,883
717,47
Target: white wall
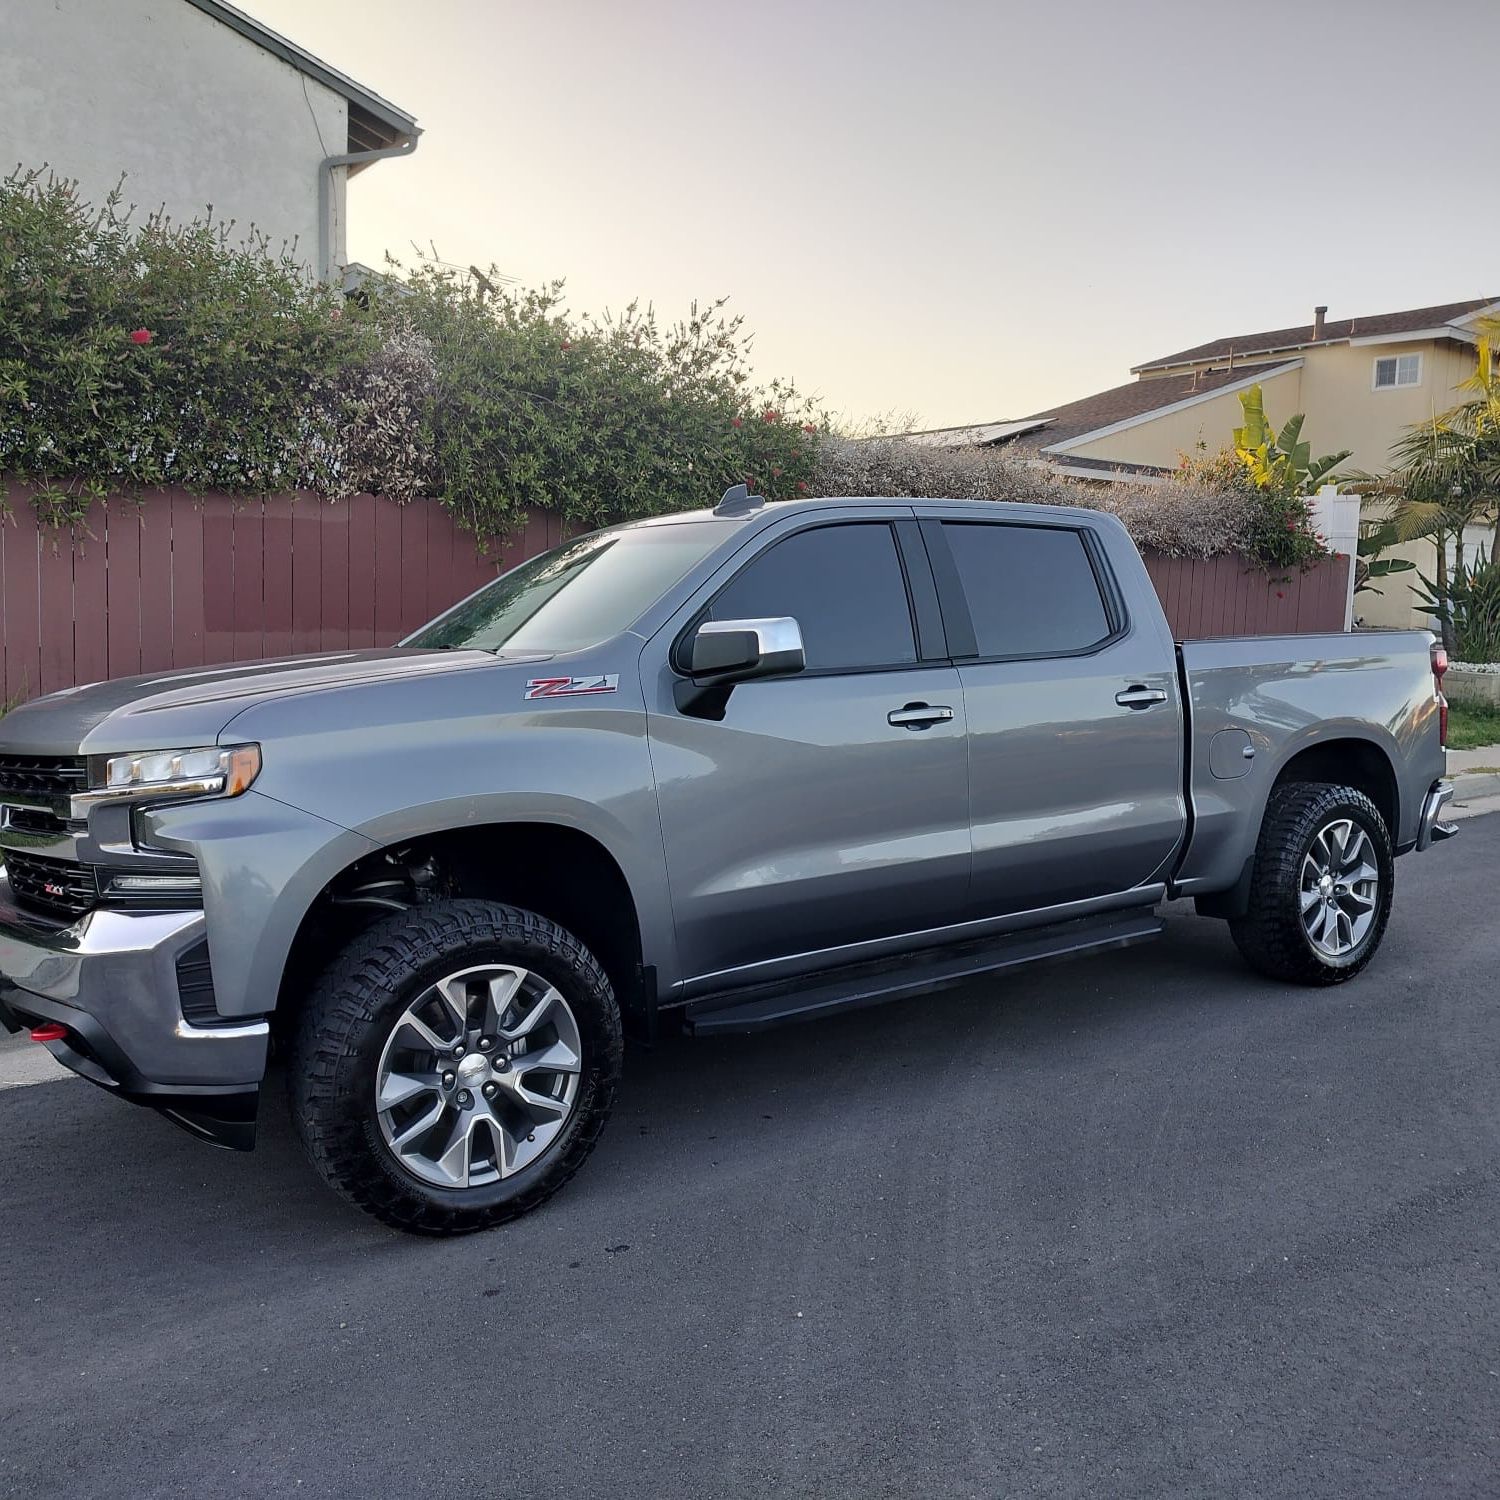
191,111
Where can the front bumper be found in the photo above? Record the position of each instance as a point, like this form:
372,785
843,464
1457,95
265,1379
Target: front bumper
1429,829
111,979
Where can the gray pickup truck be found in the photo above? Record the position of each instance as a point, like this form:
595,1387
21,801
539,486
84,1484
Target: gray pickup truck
714,771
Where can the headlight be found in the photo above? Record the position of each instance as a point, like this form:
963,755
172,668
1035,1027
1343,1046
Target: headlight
172,775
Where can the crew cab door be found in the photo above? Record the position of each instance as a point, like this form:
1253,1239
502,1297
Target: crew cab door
1075,726
828,807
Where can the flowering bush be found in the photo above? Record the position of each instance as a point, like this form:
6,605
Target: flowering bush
189,354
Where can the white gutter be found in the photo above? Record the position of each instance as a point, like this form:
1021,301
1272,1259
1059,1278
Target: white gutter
326,169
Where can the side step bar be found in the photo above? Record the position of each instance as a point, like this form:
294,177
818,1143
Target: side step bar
878,980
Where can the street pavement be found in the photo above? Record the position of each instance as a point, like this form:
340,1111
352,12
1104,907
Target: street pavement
1141,1225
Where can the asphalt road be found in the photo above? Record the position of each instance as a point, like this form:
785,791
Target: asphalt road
1143,1225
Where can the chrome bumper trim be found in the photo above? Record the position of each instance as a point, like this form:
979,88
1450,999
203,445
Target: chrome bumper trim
1429,830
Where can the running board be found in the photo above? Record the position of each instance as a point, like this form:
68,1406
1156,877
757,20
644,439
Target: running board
879,980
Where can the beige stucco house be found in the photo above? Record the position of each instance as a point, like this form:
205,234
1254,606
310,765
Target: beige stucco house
1361,382
197,104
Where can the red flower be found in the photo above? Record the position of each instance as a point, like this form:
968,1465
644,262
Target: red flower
770,416
141,336
1279,594
801,486
566,345
808,427
735,422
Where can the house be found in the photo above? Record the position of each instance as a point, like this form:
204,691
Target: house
1361,382
197,104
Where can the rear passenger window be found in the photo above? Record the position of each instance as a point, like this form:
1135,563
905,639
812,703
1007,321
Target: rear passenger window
842,584
1031,590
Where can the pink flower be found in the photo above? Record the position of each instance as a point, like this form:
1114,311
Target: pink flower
808,427
770,416
141,336
801,486
735,422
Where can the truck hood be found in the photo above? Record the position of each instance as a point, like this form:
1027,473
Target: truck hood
192,705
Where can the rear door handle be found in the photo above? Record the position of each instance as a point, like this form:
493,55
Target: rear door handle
919,715
1138,695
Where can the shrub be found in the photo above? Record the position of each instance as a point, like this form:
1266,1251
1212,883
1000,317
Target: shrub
191,354
1179,516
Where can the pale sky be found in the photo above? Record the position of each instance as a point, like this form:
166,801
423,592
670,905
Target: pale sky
963,211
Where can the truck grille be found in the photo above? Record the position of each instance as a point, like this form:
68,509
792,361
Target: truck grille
43,775
58,887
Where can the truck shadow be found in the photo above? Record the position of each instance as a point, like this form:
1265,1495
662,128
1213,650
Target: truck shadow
81,1170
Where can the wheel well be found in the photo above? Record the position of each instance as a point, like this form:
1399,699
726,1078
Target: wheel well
557,872
1355,763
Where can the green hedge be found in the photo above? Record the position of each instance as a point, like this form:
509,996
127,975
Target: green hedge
189,354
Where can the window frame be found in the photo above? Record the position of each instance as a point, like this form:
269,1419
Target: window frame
1397,384
959,622
923,604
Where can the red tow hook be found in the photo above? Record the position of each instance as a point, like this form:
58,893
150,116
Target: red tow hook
49,1031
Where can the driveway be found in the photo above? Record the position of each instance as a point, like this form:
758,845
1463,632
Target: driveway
1145,1225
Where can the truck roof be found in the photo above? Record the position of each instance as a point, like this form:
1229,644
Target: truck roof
824,502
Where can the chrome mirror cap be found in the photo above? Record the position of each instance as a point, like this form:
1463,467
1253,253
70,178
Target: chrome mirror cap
735,650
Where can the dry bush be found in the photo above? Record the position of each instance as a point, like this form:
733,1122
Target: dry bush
1178,517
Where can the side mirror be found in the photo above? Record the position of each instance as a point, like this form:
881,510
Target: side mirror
728,651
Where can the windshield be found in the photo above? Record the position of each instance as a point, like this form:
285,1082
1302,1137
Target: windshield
576,595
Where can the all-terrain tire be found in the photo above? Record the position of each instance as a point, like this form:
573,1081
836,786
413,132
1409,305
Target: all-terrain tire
1271,935
354,1008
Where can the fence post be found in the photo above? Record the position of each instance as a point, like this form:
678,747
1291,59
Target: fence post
1336,518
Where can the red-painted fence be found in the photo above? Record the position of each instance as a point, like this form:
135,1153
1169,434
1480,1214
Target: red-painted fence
176,580
179,581
1232,595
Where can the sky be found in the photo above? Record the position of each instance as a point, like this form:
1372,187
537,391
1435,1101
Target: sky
947,212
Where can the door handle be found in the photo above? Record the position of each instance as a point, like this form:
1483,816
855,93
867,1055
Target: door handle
1138,695
919,715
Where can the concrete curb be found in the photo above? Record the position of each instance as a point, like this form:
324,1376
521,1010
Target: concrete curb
1469,786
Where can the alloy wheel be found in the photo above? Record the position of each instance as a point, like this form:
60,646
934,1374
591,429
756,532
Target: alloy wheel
1340,888
478,1076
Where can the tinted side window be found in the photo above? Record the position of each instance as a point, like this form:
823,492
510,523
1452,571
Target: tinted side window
1031,590
842,584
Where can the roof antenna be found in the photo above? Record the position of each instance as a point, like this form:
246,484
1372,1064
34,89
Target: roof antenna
738,501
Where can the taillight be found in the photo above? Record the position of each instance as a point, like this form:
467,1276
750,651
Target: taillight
49,1031
1439,666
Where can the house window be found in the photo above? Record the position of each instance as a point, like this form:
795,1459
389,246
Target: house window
1398,369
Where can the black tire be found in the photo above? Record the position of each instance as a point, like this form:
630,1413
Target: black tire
355,1007
1271,935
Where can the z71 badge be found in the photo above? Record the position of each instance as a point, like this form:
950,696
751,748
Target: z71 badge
572,687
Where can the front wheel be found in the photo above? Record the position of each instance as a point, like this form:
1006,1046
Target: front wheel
455,1065
1321,886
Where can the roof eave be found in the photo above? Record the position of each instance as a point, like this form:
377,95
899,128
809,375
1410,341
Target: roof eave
1196,398
402,126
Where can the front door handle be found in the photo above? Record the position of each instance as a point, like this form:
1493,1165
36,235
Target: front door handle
1138,695
919,715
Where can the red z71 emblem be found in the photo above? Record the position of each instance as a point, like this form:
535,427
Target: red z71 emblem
572,687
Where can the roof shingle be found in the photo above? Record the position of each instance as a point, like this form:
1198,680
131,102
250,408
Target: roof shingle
1280,339
1136,399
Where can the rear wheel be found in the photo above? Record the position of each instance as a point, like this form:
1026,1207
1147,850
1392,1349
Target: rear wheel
455,1065
1320,891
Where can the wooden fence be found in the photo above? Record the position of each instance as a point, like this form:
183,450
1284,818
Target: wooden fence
1232,595
183,581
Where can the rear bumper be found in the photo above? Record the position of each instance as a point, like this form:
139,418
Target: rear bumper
110,978
1429,829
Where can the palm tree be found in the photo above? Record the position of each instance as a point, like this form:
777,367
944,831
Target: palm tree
1447,471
